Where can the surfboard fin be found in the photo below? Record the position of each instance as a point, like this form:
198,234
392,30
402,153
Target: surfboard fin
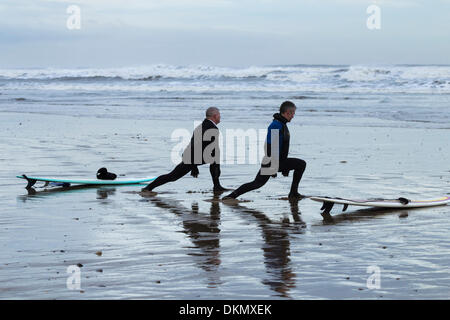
31,182
345,207
326,207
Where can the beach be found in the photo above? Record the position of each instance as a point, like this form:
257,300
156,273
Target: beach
364,132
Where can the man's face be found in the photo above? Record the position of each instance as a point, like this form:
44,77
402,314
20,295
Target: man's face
289,114
216,118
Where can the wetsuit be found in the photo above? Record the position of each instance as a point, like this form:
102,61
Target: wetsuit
285,164
205,137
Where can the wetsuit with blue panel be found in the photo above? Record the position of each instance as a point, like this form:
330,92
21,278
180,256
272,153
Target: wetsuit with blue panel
285,164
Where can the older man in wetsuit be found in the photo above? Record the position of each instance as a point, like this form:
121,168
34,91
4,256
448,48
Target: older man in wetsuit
279,162
202,149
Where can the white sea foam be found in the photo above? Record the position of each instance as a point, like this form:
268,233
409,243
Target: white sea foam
416,94
409,79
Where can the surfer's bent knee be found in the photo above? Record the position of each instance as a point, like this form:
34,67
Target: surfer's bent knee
303,162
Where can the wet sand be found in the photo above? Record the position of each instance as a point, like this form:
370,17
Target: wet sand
182,244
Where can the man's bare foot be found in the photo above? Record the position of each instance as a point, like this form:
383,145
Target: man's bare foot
230,200
147,193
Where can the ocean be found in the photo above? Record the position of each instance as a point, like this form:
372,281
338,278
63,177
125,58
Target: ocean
405,95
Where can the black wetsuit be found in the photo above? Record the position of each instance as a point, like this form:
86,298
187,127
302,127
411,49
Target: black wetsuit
195,155
285,164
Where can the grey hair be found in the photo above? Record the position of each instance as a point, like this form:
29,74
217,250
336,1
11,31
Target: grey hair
211,111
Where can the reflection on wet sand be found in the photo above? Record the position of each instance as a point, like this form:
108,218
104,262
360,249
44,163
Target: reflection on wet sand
102,192
203,230
363,214
276,248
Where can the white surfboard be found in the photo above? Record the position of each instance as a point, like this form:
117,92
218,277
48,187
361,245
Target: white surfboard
328,202
66,182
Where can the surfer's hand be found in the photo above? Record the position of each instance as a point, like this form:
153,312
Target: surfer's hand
285,173
194,172
274,175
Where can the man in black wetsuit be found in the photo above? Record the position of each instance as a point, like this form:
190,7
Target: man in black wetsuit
280,162
202,149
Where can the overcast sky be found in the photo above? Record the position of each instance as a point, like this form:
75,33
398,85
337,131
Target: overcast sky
33,33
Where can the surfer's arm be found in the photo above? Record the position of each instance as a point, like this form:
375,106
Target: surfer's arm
194,171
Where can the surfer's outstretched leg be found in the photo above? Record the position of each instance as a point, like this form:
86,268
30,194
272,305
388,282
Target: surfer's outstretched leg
179,171
299,166
214,169
257,183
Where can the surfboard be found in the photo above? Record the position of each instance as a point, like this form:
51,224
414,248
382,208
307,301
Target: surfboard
328,202
66,182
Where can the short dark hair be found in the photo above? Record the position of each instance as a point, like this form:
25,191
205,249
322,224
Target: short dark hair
285,106
211,111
